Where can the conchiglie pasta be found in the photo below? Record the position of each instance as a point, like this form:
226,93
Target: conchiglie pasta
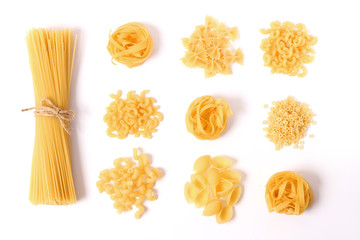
214,186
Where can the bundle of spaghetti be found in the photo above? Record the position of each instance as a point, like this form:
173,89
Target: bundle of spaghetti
287,192
130,44
287,48
135,115
207,116
51,56
208,47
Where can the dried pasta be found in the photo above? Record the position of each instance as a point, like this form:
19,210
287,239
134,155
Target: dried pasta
287,192
130,44
51,56
207,116
134,115
129,184
288,122
208,48
216,189
287,48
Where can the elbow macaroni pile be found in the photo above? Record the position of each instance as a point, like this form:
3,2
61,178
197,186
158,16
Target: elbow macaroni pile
128,184
208,48
287,192
214,186
135,115
130,44
207,116
287,48
288,122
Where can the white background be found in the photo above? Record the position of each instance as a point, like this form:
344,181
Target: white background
329,162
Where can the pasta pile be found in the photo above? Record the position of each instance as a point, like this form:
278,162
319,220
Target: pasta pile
208,48
51,56
287,48
214,186
287,192
128,184
135,115
207,116
288,122
130,44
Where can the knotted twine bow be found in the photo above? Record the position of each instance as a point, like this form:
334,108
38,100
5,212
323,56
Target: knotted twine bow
53,111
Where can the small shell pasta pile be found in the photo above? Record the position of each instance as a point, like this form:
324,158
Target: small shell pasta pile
287,123
135,115
287,48
208,48
128,184
130,44
215,187
207,116
287,192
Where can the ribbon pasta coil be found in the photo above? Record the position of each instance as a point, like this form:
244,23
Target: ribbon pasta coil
207,116
208,48
130,44
129,184
135,115
214,186
287,48
287,192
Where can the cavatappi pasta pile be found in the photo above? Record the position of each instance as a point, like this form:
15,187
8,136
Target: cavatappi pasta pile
288,122
287,48
129,184
134,115
287,192
208,47
214,186
207,116
130,44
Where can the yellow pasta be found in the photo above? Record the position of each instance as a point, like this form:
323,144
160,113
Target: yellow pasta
213,207
51,56
208,47
216,189
207,116
288,122
224,215
287,192
287,48
134,115
202,164
128,184
130,44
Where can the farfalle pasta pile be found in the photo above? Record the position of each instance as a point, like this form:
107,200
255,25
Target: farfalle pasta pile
129,184
214,186
207,116
135,115
288,122
287,48
208,48
130,44
287,192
